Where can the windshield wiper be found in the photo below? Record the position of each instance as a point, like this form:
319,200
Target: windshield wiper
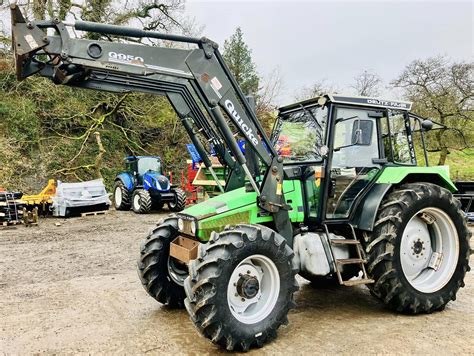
312,116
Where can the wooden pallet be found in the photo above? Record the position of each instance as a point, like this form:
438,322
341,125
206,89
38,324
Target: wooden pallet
11,223
93,213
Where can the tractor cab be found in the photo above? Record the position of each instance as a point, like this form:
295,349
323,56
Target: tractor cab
342,145
144,168
144,164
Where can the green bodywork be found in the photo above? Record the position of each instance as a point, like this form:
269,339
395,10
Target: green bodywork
397,174
239,206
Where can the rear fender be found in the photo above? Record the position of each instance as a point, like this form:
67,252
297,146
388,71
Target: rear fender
366,210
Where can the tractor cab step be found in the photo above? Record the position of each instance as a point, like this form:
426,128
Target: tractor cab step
356,282
350,261
337,264
345,242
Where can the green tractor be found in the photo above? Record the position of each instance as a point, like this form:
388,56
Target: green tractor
335,195
361,212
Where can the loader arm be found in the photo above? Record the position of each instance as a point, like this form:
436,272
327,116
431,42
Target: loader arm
196,81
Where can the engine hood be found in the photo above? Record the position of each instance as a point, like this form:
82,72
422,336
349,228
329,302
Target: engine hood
238,207
155,180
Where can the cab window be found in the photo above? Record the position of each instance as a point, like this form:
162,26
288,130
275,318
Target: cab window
298,136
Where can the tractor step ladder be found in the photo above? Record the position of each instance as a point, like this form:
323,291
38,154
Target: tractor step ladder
10,202
359,260
8,213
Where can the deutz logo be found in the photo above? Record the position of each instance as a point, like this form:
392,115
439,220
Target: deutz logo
248,131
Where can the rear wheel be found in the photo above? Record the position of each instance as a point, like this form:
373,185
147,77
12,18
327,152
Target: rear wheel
418,253
179,202
121,196
141,201
161,275
241,286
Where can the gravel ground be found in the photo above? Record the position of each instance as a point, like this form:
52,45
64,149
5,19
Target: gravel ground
73,289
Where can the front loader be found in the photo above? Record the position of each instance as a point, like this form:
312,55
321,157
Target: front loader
335,194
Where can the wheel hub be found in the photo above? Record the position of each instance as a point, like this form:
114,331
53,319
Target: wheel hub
248,286
253,289
418,247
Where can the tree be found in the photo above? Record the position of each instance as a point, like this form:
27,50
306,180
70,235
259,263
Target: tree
443,90
367,83
48,130
316,89
238,58
162,15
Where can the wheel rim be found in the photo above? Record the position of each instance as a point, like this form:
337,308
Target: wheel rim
136,202
429,250
178,272
118,196
172,204
253,289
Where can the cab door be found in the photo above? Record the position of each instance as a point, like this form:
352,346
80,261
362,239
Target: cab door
353,159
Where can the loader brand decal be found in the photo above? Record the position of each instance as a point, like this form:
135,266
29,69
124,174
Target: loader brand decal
229,105
140,62
122,57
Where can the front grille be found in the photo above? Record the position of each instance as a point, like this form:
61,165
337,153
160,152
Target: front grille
163,183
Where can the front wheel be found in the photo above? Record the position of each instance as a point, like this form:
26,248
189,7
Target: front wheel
179,202
241,286
418,253
161,275
141,201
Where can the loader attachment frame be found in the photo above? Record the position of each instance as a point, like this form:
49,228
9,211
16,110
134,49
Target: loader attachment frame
197,82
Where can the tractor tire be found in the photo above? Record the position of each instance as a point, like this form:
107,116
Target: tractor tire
224,291
141,201
161,276
180,200
418,252
121,196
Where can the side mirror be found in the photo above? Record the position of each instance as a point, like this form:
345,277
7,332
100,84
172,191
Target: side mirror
362,132
426,125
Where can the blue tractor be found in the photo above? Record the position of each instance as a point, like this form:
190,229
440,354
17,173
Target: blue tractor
143,186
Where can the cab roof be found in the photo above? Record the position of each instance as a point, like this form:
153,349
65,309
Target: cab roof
352,100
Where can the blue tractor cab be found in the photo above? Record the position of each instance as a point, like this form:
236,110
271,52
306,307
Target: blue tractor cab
143,186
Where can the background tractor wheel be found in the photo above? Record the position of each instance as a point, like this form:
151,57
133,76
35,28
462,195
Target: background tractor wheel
121,196
241,286
141,201
161,275
180,200
418,253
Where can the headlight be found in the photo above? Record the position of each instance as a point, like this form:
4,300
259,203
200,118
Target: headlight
180,224
193,227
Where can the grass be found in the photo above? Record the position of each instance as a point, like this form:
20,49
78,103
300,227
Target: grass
461,163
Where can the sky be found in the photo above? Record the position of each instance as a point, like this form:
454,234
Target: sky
310,41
